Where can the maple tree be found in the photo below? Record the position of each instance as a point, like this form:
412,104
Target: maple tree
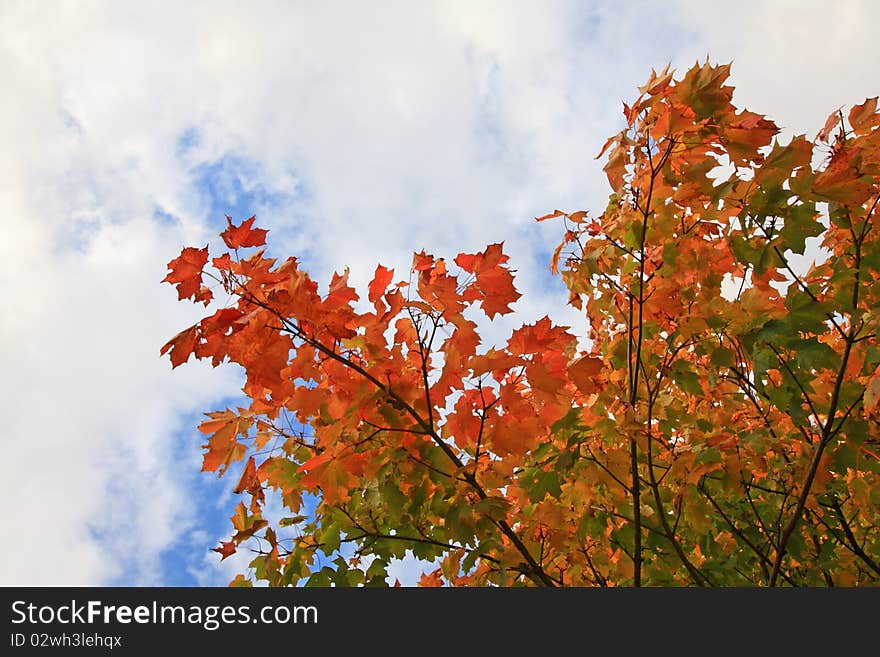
721,428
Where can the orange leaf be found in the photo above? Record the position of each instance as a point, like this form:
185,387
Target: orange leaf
477,263
243,235
355,463
316,462
539,337
863,117
841,182
432,580
223,262
615,168
249,481
830,123
181,345
493,361
516,436
381,281
221,321
422,261
552,215
223,447
186,271
608,143
747,135
583,373
498,292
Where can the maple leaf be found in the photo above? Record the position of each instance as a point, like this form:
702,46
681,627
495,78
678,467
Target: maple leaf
583,373
842,181
864,117
747,135
222,447
493,284
381,281
615,168
552,215
498,292
830,123
226,549
243,235
248,481
422,261
494,361
433,579
181,345
479,263
186,271
872,393
658,82
222,262
518,466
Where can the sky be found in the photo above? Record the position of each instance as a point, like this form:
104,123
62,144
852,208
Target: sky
358,133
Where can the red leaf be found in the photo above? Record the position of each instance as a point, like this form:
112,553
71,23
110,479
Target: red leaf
223,262
243,235
204,295
226,549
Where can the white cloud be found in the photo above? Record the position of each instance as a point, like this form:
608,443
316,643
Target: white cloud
796,61
374,131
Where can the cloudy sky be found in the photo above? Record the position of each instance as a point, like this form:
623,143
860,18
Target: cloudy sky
356,132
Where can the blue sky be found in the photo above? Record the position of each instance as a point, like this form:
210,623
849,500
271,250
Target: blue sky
358,134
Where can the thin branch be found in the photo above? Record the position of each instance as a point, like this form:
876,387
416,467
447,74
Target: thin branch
536,573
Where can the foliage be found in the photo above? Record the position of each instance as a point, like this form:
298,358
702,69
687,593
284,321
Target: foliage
721,428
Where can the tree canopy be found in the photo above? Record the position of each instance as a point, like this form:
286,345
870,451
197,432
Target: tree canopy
721,427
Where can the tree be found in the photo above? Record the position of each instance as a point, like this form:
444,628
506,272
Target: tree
721,428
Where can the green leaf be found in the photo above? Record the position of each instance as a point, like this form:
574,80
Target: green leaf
494,507
330,537
800,223
686,379
320,578
812,354
544,482
722,357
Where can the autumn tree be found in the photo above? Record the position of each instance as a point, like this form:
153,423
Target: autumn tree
720,429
